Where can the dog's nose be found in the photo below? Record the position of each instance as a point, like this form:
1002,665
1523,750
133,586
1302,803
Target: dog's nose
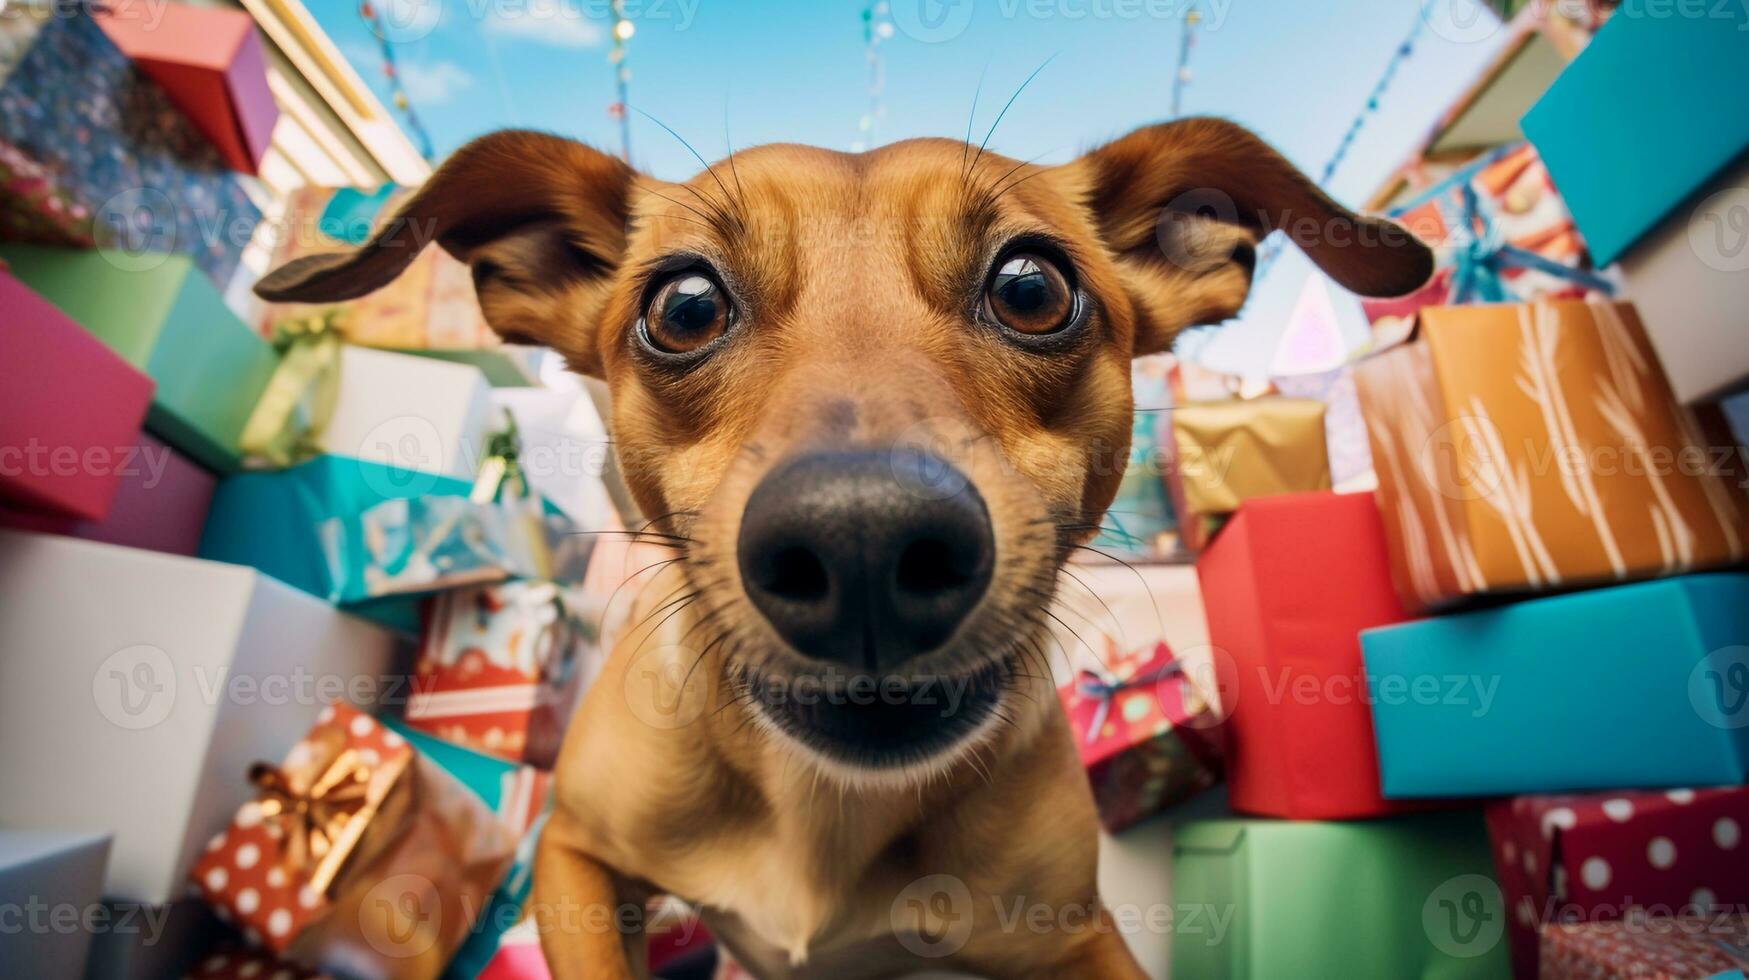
866,558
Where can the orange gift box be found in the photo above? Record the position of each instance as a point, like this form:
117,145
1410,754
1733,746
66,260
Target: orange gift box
1537,447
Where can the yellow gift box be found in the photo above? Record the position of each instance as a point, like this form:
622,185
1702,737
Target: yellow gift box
1226,452
1537,447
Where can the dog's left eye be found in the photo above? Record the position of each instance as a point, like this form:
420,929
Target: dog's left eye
685,313
1029,294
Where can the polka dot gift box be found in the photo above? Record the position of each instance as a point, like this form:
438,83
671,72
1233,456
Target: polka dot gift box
1605,856
1147,735
360,856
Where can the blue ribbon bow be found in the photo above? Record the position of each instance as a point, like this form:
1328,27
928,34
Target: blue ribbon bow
1483,255
1092,685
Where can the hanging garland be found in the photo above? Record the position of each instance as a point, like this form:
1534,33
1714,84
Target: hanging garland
1181,78
877,26
1271,249
623,29
392,72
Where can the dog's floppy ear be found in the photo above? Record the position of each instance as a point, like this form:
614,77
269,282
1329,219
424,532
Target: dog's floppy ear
1183,205
539,218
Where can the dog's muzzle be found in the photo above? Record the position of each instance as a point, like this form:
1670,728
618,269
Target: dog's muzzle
866,562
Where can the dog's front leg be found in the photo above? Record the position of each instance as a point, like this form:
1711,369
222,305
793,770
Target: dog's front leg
590,917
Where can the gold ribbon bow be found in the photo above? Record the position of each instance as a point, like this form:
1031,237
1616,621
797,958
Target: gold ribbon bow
287,423
317,815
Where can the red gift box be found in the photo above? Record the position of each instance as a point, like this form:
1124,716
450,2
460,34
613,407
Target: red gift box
209,62
500,669
1676,948
1562,858
160,504
1147,738
1287,587
70,409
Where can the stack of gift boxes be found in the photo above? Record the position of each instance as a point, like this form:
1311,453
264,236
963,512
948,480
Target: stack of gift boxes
294,602
1493,717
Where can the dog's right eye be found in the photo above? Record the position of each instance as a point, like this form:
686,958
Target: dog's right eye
686,313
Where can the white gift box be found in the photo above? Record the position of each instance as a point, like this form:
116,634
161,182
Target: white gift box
416,412
1689,277
565,450
51,883
136,689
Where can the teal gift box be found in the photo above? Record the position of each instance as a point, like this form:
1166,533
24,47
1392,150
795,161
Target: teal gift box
1643,117
1360,900
1641,685
165,319
368,535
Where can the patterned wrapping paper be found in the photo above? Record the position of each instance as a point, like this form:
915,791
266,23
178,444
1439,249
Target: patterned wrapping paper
35,207
1592,857
1533,447
500,669
1500,233
1714,947
1148,737
361,856
1227,452
109,136
429,305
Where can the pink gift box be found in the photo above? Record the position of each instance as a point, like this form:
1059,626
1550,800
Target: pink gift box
209,62
160,504
70,409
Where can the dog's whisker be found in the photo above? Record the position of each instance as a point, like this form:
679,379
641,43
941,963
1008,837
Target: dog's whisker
1005,107
738,219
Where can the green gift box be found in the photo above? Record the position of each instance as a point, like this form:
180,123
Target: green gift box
1409,897
165,318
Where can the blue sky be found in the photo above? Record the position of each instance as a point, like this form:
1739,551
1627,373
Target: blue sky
1297,71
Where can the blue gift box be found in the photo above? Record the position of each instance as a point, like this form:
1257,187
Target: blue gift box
362,534
1641,685
1651,109
74,103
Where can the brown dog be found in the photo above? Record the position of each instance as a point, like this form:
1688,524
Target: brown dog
876,400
